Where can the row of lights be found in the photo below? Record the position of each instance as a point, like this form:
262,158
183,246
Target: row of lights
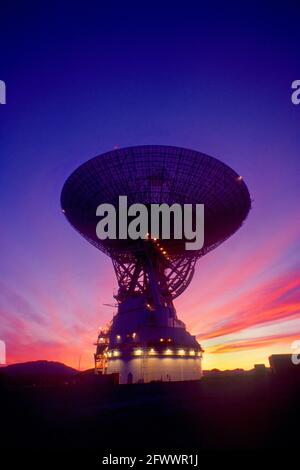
163,251
152,352
161,248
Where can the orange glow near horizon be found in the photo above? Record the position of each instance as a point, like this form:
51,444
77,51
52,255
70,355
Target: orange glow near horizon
243,305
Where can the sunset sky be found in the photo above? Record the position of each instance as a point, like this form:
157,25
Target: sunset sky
82,80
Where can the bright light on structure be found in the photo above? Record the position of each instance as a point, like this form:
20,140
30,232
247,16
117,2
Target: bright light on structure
138,352
118,337
116,353
152,351
192,352
181,352
168,351
133,335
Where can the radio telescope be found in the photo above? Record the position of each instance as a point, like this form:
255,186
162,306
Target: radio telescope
145,340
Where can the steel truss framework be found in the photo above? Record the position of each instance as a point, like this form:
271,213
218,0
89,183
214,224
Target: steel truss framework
172,276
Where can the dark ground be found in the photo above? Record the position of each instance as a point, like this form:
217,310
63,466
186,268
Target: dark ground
242,412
